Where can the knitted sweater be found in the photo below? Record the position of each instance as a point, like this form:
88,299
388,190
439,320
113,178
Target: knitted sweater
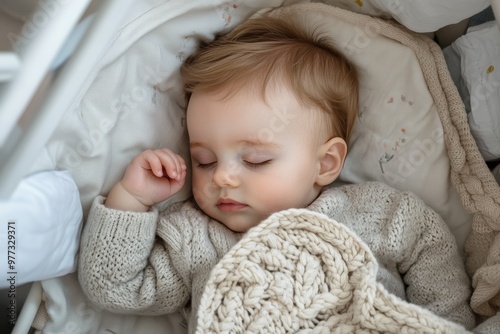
157,263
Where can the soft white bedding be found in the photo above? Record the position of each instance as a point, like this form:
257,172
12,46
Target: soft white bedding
42,228
419,16
475,62
69,311
430,15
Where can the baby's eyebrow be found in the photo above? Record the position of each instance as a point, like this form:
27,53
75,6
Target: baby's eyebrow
246,143
260,144
196,144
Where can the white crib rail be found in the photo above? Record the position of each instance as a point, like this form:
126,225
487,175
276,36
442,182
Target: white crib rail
68,82
58,99
30,308
37,45
9,65
495,5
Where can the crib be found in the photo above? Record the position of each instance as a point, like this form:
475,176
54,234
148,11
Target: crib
81,79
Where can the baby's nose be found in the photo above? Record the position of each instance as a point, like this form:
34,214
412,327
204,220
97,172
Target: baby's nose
227,175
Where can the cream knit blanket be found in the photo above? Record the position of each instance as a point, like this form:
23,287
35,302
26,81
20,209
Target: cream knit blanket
300,271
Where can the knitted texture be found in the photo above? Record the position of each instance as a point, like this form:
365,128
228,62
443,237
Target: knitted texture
152,262
300,271
475,184
478,189
41,316
125,267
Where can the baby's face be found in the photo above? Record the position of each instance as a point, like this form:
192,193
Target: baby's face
249,158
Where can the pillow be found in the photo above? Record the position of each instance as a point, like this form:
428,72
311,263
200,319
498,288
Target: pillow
42,221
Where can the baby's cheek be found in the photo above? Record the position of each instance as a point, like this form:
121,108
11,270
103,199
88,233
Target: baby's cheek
289,190
203,192
277,193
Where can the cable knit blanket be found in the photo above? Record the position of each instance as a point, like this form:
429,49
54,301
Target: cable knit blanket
300,271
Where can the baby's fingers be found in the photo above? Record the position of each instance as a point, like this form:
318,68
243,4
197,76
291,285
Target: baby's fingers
173,163
153,162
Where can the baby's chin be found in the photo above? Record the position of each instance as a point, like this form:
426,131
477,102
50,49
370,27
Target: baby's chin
238,225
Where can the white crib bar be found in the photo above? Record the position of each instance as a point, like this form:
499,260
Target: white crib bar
495,6
61,94
30,308
37,45
9,65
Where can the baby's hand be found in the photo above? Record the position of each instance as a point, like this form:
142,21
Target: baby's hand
152,177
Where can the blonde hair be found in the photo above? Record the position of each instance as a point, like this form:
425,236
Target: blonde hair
262,49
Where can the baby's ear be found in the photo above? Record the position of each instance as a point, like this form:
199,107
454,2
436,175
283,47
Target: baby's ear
332,156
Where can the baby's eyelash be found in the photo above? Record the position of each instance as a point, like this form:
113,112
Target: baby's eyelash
206,166
258,164
247,163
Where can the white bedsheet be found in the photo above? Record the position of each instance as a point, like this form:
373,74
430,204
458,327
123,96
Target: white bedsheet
419,16
430,15
475,63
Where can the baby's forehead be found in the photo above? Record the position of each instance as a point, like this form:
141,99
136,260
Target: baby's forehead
276,109
250,143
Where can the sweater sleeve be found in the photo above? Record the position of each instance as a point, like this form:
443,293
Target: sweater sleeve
124,268
432,268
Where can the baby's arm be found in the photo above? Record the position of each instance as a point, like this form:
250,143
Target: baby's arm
433,269
123,266
152,177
